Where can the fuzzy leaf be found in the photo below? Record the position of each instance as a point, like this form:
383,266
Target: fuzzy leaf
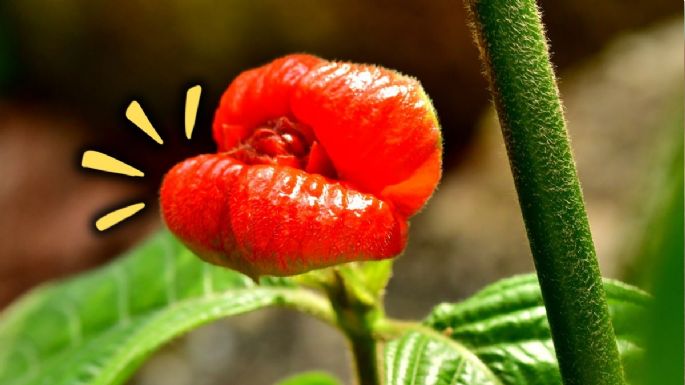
501,336
425,357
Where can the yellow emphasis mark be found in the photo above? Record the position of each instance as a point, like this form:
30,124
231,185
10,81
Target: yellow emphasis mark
137,116
192,102
116,216
103,162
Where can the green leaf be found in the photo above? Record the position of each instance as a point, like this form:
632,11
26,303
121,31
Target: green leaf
376,275
97,328
310,378
501,336
425,357
365,281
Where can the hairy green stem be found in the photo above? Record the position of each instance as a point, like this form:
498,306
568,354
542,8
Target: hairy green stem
513,47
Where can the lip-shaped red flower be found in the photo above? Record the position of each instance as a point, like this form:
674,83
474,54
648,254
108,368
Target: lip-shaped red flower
319,163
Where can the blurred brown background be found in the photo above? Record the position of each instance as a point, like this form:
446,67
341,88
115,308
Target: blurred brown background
69,68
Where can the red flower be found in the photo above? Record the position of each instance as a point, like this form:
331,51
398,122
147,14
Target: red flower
319,163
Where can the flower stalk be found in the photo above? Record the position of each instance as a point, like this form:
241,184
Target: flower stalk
512,43
357,317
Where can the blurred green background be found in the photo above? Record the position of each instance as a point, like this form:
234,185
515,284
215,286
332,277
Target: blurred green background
69,68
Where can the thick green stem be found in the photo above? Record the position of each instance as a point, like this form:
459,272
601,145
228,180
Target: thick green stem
364,351
357,318
513,47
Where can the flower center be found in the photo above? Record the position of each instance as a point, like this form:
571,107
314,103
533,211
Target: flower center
286,143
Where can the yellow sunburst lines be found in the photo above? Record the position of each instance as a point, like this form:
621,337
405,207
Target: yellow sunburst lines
192,102
112,218
102,162
137,116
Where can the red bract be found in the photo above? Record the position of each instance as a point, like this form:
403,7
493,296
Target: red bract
319,163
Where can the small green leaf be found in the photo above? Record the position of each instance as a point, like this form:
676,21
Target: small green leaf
310,378
425,357
365,281
377,274
98,328
355,284
501,336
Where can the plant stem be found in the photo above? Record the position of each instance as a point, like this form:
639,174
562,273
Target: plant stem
365,353
356,318
513,47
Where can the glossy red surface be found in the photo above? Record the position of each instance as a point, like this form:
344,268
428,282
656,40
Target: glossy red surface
319,163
